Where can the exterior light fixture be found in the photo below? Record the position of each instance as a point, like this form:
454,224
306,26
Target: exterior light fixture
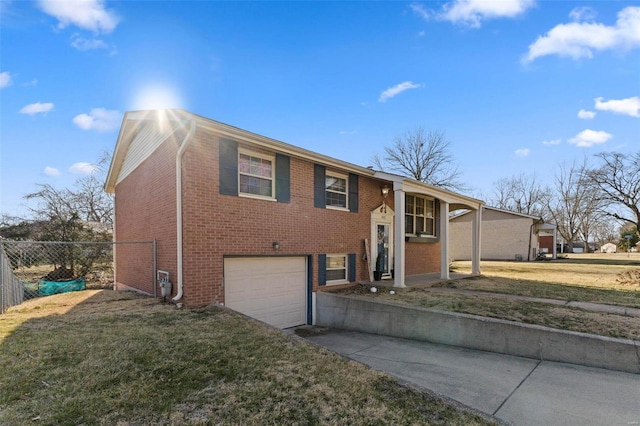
275,245
385,192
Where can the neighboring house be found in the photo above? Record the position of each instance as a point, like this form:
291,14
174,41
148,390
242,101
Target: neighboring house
506,235
578,247
260,225
609,248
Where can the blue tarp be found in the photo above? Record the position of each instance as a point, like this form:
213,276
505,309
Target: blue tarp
47,288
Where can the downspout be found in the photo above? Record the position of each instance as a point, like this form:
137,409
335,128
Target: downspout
181,151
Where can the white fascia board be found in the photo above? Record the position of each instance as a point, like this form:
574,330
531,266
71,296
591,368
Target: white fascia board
411,185
512,213
546,226
238,134
128,130
119,152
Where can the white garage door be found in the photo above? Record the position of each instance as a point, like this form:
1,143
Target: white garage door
271,289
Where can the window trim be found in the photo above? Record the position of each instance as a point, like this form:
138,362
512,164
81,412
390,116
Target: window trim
329,174
345,280
424,217
269,157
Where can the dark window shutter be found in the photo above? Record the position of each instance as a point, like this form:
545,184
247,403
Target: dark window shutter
228,167
353,193
319,188
436,216
283,178
322,269
309,289
352,267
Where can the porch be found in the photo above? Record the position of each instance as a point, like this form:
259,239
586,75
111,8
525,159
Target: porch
445,202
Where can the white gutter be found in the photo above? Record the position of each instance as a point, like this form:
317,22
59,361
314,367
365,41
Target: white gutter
181,151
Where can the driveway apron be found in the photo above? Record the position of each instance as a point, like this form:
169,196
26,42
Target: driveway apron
520,391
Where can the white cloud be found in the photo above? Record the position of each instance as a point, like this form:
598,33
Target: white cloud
419,10
588,138
36,108
579,39
584,13
396,90
99,119
474,12
51,171
83,168
5,79
551,142
523,152
83,44
86,14
586,115
629,106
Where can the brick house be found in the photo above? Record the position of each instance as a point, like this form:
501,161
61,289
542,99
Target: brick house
506,235
260,225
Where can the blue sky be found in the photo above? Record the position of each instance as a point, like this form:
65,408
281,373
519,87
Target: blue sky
517,86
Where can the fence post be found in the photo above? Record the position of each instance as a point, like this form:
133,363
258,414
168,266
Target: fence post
2,283
155,268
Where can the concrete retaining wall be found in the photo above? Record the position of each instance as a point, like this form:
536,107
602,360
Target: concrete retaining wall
474,332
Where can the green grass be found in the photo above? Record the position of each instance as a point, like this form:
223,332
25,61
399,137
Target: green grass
112,358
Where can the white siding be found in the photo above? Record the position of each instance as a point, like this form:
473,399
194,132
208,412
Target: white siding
504,236
146,141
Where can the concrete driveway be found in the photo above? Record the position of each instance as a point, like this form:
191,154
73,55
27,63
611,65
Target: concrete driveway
519,391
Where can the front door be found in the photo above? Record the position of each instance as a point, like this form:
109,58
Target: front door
382,241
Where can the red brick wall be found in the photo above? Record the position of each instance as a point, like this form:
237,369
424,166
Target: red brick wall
217,225
422,258
145,209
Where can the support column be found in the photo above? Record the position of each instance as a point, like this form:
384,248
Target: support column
555,249
398,236
444,240
476,228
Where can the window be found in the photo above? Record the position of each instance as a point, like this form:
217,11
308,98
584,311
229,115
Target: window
336,269
255,174
419,215
336,190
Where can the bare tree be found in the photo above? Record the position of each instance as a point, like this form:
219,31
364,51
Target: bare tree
92,201
521,194
575,207
423,156
617,180
84,212
605,231
57,209
592,221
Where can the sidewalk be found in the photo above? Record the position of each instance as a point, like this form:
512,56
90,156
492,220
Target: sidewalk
517,390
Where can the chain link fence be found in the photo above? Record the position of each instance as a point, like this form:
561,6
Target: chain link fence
32,269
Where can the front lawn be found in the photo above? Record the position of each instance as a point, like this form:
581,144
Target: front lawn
584,278
110,358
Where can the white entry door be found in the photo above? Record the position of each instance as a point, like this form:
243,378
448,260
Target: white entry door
271,289
382,239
